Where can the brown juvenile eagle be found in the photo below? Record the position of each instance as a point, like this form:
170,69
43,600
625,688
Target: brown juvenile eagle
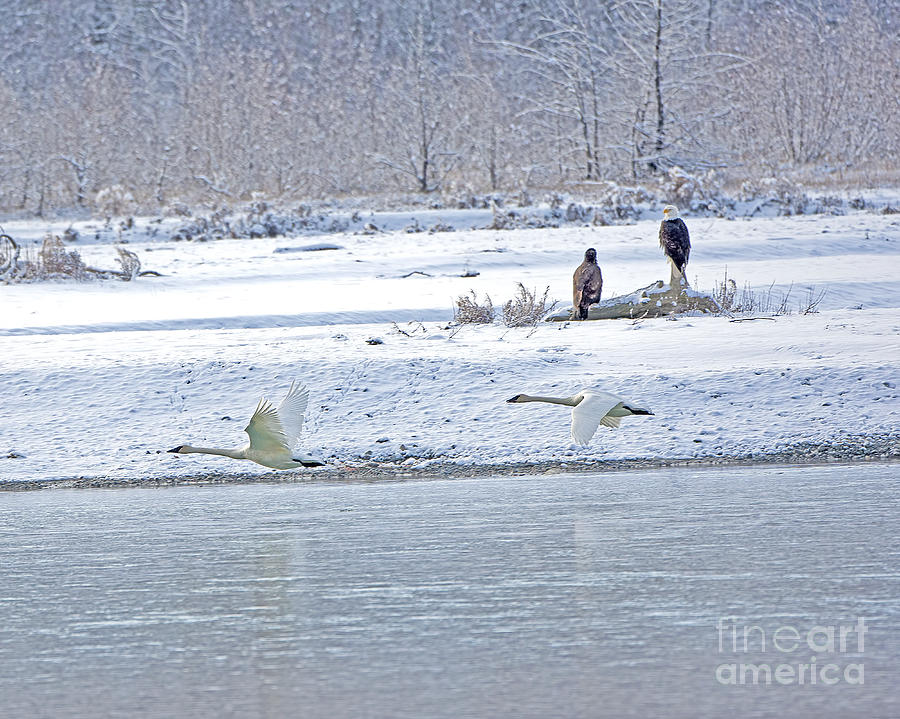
675,241
587,284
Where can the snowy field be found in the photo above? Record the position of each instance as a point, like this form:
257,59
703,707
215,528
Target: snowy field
98,379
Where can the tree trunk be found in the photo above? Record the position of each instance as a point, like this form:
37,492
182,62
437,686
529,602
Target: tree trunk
657,82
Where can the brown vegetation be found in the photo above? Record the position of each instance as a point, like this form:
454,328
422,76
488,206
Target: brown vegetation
152,104
52,261
470,311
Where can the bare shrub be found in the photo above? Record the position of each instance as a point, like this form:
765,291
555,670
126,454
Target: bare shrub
772,302
412,328
725,293
745,301
54,261
780,301
685,188
810,304
526,309
619,202
131,264
179,209
788,196
470,311
500,219
114,200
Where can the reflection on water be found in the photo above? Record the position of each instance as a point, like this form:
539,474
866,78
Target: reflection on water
576,596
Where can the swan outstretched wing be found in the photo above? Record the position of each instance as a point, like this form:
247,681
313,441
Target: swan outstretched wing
291,411
265,428
588,414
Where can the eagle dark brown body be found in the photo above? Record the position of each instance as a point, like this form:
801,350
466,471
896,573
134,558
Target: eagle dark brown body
587,284
675,241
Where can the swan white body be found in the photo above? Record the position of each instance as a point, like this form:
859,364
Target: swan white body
273,434
590,409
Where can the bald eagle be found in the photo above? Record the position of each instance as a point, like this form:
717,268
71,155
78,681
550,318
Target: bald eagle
587,283
675,241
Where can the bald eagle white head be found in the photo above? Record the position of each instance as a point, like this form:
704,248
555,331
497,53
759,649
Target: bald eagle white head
670,212
675,241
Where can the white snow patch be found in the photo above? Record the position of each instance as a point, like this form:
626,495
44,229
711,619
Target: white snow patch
99,379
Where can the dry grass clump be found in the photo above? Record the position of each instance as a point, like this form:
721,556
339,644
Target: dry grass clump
130,263
809,305
770,302
526,309
470,311
54,261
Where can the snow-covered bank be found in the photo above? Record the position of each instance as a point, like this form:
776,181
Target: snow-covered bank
97,380
848,453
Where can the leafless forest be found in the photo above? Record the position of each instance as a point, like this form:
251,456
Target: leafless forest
224,100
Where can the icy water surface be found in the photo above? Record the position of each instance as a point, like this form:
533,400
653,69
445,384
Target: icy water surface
619,594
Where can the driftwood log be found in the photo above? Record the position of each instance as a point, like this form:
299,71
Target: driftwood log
9,258
656,300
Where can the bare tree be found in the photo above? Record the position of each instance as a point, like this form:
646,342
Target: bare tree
208,100
149,39
674,79
422,149
486,127
567,61
825,98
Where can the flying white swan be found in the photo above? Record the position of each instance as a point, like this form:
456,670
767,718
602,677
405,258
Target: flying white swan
590,409
273,434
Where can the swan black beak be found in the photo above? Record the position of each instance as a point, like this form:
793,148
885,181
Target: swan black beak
513,399
176,450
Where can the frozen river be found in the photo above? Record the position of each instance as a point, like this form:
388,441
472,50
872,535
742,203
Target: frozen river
618,594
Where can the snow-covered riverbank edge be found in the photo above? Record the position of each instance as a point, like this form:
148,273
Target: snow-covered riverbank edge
856,451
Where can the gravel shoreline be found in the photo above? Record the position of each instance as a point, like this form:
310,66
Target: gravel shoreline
855,449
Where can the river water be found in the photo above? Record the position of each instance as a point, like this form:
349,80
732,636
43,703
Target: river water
617,594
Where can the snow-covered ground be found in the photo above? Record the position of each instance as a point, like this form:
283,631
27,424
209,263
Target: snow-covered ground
98,379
